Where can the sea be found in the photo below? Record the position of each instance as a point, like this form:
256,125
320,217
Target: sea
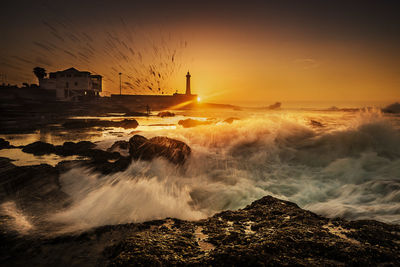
334,161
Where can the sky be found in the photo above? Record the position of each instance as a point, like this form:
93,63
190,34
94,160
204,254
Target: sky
237,51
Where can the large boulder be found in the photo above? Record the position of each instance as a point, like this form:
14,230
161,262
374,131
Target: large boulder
135,142
147,149
39,148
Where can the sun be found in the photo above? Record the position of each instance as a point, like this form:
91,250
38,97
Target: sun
198,99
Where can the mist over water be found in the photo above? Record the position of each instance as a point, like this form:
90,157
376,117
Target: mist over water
348,168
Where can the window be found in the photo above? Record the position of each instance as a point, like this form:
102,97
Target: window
68,75
66,85
76,83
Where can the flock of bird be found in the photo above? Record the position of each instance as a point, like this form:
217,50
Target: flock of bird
108,48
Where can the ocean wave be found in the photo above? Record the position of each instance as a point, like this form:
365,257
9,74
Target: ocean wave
350,170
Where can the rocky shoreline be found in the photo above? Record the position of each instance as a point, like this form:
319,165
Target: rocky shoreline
269,231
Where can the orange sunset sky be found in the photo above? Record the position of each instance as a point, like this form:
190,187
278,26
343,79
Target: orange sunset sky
255,51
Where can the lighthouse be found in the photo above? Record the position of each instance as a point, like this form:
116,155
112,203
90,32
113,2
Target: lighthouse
188,83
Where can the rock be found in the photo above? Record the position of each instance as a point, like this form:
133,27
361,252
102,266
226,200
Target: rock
393,108
135,142
147,149
39,148
4,144
316,123
165,114
99,160
269,231
84,145
71,148
231,119
67,149
100,164
277,105
126,124
34,187
66,165
121,147
188,123
110,166
333,108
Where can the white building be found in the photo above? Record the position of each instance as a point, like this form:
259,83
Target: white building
72,85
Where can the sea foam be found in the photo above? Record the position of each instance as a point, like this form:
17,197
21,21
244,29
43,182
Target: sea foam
350,168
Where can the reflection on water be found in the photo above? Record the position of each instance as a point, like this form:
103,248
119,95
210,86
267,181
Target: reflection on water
57,135
24,159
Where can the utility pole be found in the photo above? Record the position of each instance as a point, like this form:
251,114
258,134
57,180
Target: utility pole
120,84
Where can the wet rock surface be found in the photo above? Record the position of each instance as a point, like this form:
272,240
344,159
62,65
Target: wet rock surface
267,232
36,186
117,157
147,149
